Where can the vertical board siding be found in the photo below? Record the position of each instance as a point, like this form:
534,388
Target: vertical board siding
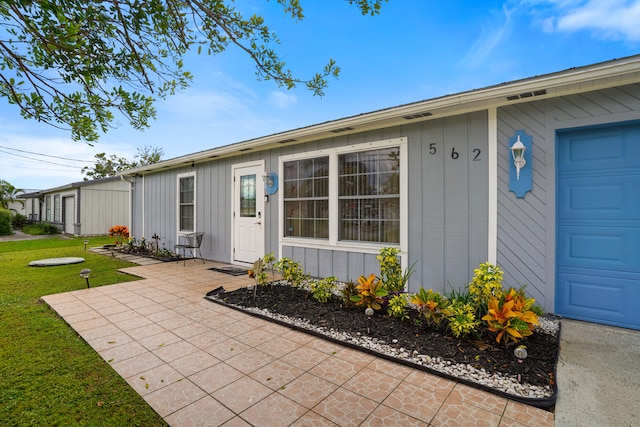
526,227
447,205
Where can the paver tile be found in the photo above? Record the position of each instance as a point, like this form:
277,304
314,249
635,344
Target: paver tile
241,394
206,412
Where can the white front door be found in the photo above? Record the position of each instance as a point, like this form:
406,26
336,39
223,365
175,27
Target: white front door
248,212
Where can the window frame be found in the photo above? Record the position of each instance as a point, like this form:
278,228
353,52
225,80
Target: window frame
47,207
179,178
314,198
333,243
57,208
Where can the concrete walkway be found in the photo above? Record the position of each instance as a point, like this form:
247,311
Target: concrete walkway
200,364
598,376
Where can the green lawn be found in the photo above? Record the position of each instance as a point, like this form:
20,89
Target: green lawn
48,375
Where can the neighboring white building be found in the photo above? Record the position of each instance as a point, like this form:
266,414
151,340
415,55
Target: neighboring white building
84,208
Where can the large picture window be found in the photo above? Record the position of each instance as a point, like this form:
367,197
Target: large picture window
186,202
347,196
306,198
369,196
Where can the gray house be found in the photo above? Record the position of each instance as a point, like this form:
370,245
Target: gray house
539,176
84,208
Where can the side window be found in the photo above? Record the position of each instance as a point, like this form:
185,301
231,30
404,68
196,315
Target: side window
56,208
186,202
47,204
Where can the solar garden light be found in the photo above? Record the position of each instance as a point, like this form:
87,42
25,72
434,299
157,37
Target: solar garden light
521,353
84,273
86,242
517,151
368,312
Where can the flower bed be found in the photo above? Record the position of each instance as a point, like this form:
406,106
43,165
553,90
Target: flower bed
478,361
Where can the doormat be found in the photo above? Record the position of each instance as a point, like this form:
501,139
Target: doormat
233,271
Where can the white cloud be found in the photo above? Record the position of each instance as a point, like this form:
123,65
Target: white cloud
55,166
610,20
282,99
493,34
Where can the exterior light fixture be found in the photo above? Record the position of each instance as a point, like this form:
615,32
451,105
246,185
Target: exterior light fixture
267,178
520,147
84,273
368,312
517,151
86,242
520,353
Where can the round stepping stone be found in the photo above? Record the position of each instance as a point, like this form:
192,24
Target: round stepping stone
56,261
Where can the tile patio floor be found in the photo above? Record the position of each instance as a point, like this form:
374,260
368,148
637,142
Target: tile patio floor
200,364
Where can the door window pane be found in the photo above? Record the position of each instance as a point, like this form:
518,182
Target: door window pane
248,196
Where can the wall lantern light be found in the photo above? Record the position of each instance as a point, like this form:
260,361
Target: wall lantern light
84,273
267,178
517,151
520,177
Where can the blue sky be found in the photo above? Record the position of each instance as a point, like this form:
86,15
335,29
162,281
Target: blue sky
414,50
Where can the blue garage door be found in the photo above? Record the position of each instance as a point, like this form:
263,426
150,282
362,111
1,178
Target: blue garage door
598,225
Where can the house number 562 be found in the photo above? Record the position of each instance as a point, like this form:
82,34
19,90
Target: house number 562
454,154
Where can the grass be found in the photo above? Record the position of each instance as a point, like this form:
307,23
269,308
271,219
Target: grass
48,374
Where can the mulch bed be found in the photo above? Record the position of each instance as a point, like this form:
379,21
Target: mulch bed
412,334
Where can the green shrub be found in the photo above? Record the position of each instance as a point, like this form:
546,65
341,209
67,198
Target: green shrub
323,289
398,306
5,222
391,275
291,271
18,221
461,318
40,228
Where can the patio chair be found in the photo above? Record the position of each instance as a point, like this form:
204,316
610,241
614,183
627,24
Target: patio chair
192,242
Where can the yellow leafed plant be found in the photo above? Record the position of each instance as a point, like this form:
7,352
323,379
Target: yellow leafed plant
510,316
371,293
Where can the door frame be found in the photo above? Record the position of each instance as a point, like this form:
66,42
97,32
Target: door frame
260,206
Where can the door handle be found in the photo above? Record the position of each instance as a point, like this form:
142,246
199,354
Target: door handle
257,223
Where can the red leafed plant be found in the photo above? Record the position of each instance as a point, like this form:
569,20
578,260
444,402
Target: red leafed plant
120,233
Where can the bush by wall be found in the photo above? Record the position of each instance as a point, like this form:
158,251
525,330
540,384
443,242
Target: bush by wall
5,222
19,221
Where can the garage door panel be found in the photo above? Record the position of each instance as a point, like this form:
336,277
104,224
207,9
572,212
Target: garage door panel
596,149
607,248
603,299
600,197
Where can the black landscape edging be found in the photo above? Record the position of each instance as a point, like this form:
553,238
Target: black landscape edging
546,403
